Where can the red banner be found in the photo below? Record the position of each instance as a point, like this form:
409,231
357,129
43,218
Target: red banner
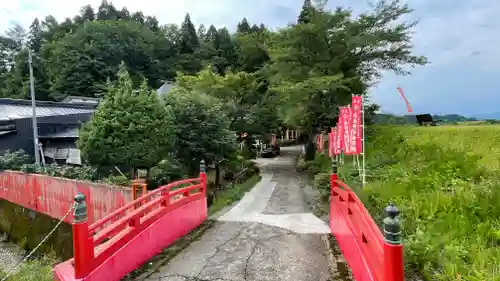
331,143
356,129
345,113
408,106
319,143
339,137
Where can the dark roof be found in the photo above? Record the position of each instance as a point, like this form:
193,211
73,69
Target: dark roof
67,133
11,109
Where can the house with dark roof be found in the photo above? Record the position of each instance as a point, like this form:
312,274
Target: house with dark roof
58,124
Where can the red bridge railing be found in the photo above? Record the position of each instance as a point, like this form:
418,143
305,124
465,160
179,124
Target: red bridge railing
371,255
120,242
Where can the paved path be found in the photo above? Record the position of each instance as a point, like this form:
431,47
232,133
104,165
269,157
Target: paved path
269,235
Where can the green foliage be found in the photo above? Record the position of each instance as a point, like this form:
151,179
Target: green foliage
306,13
166,171
118,180
198,127
84,172
33,270
14,160
20,161
445,180
319,63
72,72
248,109
129,128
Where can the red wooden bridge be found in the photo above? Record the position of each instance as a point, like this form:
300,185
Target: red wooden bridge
108,244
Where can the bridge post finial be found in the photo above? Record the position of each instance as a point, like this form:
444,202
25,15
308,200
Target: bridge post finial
203,168
203,176
393,247
83,247
80,209
392,225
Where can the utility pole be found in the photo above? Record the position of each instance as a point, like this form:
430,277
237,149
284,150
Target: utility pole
33,107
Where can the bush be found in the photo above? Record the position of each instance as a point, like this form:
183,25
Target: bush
70,172
117,180
252,167
168,170
20,161
14,160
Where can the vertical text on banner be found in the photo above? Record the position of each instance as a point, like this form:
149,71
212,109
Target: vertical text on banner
356,131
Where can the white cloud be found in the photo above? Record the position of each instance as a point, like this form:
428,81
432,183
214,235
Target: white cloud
470,33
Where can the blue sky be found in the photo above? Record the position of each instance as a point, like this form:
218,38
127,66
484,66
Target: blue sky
461,39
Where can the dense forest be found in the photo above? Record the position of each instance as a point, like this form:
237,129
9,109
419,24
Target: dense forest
78,55
297,75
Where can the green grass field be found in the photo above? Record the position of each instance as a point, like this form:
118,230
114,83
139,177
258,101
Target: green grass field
445,179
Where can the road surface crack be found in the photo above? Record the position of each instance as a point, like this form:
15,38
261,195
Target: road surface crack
218,248
247,261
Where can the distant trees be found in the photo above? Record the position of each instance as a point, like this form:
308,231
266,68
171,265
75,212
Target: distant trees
252,81
78,55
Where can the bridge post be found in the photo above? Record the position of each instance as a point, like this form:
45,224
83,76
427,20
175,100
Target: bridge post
83,247
333,176
203,176
393,247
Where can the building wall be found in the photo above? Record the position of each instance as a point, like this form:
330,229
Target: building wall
24,137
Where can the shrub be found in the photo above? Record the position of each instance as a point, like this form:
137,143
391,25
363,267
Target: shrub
33,270
14,160
166,171
117,180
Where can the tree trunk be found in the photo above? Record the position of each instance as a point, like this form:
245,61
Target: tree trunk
217,174
310,147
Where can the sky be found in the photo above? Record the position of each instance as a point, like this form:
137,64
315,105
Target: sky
460,38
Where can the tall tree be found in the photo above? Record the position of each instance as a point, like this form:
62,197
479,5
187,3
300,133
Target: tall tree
306,13
243,26
189,39
107,11
128,129
35,36
247,107
199,129
212,35
201,33
87,13
80,68
318,65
